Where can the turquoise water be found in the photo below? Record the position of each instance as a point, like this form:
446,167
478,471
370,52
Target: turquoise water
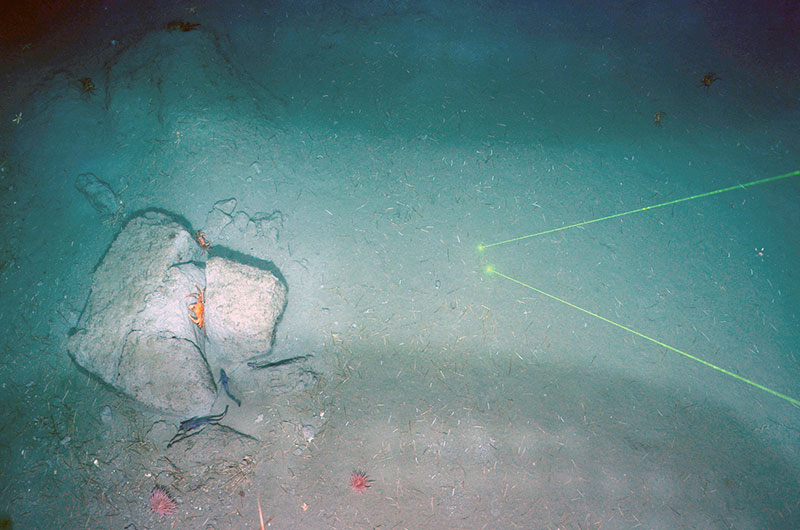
395,138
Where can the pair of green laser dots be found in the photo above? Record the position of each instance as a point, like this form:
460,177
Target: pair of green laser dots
491,270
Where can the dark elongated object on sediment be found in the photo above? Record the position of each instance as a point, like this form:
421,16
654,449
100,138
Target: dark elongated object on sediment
223,380
265,364
195,422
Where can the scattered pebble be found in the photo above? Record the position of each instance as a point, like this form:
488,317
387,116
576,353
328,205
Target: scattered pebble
309,431
106,415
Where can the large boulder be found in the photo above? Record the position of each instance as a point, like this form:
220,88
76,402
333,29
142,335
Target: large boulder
166,372
243,305
134,332
136,335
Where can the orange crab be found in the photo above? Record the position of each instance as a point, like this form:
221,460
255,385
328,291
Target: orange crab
198,308
202,240
87,85
709,78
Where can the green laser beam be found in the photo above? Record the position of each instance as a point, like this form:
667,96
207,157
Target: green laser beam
791,400
651,207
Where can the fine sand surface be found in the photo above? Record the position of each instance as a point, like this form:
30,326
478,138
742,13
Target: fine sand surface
393,139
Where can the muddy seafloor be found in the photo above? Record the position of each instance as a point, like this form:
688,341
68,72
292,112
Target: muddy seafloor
392,140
